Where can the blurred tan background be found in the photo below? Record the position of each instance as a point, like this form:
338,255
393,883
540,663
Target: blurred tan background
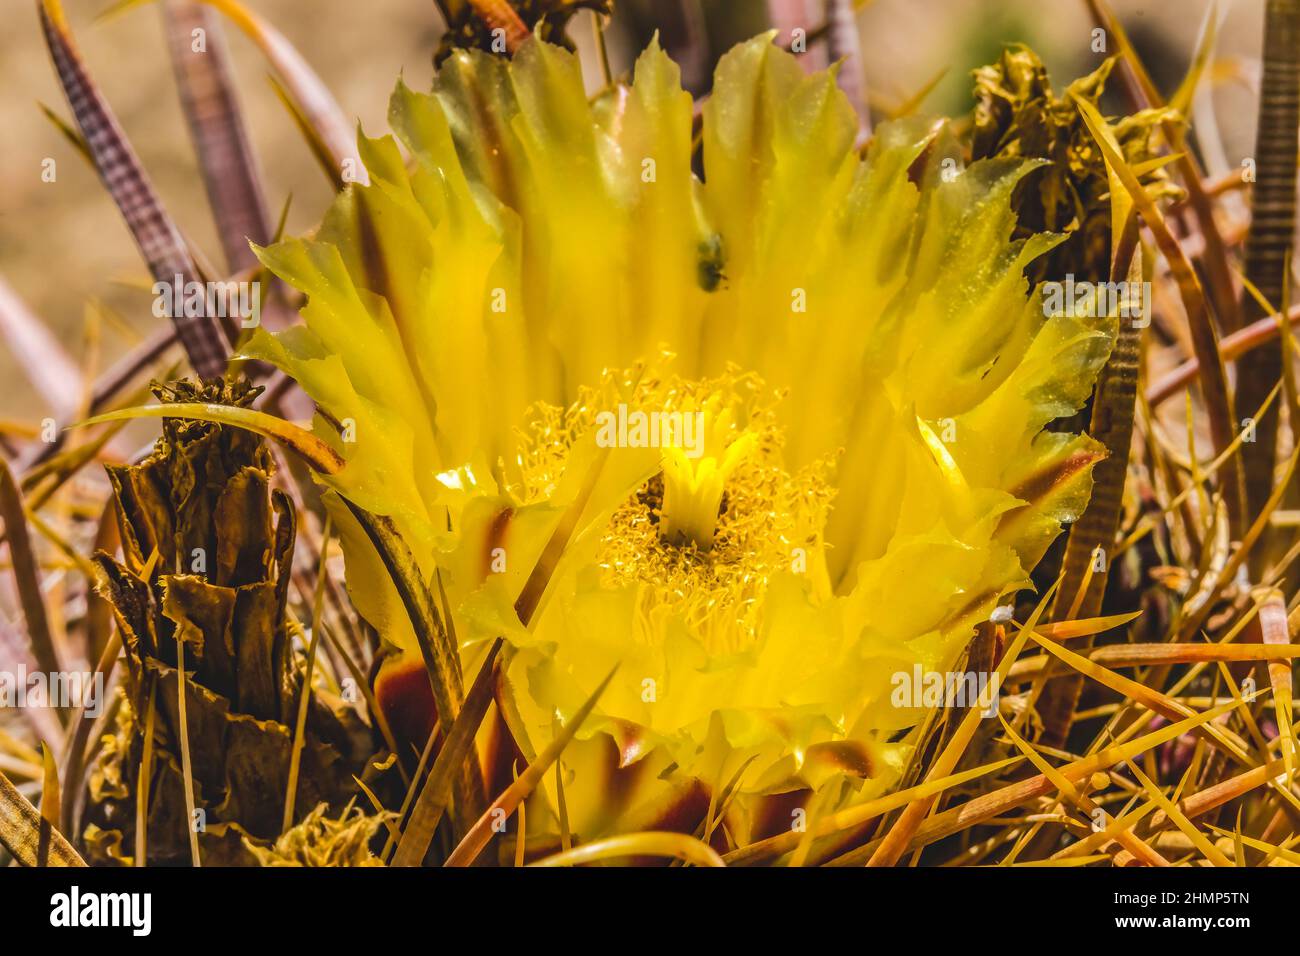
63,244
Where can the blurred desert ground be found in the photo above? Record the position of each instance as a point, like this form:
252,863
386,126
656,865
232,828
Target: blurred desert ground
63,245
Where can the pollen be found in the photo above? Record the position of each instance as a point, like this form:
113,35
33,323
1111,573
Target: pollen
702,538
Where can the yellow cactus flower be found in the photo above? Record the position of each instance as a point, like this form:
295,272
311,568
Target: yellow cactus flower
811,388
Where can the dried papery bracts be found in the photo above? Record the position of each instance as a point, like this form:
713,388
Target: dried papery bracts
207,554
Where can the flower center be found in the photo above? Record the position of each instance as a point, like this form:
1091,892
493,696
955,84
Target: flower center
701,539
